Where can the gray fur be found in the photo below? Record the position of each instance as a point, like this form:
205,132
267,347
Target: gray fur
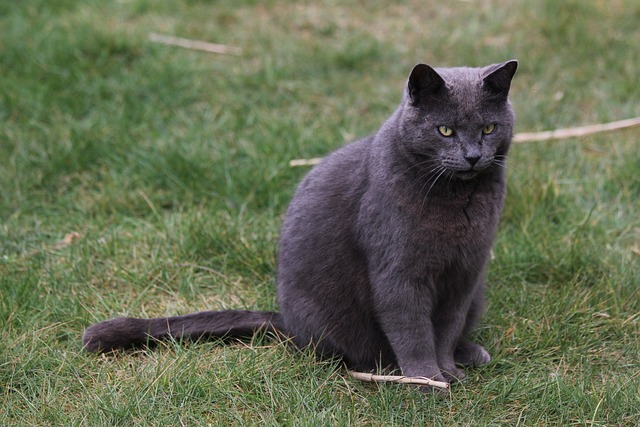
384,246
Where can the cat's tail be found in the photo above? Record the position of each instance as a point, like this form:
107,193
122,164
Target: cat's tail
127,332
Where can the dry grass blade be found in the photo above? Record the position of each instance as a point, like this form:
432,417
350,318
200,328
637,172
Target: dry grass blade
305,162
195,44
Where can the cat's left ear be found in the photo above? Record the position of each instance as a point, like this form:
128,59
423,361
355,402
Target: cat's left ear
496,78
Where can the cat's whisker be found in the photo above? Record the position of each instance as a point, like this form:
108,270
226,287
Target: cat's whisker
430,173
500,161
444,170
437,177
451,175
428,162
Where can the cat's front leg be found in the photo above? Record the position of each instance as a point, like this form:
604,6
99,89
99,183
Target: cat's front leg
404,313
448,329
468,353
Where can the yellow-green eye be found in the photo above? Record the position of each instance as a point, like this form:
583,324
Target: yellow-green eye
489,129
445,131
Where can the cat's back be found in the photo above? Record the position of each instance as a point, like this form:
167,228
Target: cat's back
318,244
335,184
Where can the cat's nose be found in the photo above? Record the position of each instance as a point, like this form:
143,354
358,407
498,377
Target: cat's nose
472,159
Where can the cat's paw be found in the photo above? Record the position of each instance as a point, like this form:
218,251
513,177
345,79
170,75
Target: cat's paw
439,391
470,354
452,374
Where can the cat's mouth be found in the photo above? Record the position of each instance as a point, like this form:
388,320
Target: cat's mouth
466,175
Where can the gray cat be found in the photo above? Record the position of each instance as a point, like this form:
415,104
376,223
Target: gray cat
384,246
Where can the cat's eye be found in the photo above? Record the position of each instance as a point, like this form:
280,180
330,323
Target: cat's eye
445,131
489,129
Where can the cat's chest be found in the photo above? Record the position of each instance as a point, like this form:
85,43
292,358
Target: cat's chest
463,222
442,228
459,216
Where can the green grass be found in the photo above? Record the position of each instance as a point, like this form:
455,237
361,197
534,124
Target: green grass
172,165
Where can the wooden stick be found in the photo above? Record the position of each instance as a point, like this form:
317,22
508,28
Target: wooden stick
576,132
549,135
195,44
364,376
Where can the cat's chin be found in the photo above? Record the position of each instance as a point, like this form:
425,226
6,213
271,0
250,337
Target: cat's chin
466,175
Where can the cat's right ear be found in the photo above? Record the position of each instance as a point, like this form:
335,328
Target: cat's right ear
424,81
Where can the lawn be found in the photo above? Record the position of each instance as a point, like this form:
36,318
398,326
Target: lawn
141,179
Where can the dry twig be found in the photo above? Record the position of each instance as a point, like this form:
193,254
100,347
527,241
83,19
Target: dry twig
68,239
364,376
520,138
575,132
195,44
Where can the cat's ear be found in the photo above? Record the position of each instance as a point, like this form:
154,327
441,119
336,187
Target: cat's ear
424,81
496,78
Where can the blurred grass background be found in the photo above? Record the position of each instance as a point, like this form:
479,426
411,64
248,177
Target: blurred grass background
172,167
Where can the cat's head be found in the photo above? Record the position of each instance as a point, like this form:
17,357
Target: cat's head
458,121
